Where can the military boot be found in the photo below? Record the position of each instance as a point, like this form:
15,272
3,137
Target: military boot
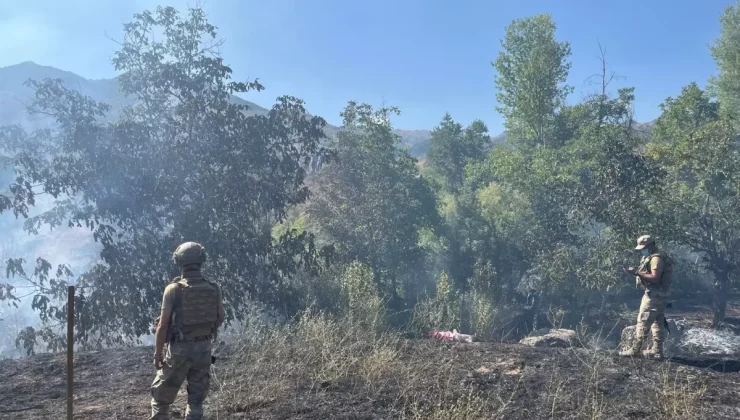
654,352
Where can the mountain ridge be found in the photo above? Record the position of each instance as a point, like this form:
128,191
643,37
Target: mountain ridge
14,95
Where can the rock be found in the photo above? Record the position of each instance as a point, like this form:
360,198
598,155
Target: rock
729,326
627,338
546,337
707,342
676,330
684,340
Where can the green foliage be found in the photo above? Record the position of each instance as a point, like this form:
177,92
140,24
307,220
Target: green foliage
699,148
360,299
294,224
617,185
548,217
726,53
531,68
483,293
441,312
452,147
184,162
372,202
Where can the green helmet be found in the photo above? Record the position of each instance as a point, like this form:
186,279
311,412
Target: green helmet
189,253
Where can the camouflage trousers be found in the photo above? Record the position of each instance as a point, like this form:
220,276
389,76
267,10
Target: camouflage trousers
651,317
183,360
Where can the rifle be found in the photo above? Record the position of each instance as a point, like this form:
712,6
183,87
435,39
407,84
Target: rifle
668,305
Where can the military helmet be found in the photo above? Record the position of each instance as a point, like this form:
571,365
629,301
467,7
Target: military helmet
644,241
189,253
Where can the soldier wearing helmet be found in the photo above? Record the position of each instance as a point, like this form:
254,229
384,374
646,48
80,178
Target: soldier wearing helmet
191,313
654,274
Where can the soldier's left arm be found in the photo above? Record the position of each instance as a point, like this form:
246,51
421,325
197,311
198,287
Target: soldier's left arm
656,269
165,316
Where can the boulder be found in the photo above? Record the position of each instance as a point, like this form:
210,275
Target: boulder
627,338
546,337
686,341
676,330
708,342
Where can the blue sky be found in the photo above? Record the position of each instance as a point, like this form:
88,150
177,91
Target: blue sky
427,57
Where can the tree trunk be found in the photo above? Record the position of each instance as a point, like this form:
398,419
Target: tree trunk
602,309
721,288
535,311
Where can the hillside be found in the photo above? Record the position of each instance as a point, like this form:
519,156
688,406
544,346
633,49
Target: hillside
14,96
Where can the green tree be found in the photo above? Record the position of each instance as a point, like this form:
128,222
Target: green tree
565,215
700,151
526,199
452,147
531,69
726,53
184,162
371,202
615,196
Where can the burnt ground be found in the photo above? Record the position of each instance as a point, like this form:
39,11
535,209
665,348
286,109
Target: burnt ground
457,381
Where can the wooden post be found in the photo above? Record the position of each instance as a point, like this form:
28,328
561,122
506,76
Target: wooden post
70,346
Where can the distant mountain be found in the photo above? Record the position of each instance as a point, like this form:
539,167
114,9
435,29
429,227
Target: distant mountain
14,97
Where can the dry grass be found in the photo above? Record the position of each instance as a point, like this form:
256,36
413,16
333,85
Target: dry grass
317,352
324,366
680,394
323,360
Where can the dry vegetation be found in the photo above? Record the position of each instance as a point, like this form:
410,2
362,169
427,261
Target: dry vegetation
324,367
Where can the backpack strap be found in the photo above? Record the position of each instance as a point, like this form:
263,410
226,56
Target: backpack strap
666,262
175,320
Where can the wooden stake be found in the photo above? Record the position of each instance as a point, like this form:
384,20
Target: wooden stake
70,346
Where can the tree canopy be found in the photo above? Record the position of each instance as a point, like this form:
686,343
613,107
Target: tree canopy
546,219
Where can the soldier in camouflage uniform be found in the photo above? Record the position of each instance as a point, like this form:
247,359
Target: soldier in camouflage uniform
191,313
654,274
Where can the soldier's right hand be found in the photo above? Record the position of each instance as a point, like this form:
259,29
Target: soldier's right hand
158,361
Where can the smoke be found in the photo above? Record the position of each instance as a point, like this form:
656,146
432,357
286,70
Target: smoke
73,247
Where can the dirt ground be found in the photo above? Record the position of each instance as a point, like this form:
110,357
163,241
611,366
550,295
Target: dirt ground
527,383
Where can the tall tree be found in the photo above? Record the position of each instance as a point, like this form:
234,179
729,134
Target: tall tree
700,150
371,202
726,53
185,162
531,68
452,147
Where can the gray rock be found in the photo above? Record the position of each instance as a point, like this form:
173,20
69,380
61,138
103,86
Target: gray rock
684,340
546,337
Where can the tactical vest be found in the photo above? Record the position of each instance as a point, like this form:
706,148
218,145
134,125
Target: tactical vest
666,277
195,311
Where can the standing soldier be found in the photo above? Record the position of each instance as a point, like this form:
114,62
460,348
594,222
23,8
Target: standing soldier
654,274
191,313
